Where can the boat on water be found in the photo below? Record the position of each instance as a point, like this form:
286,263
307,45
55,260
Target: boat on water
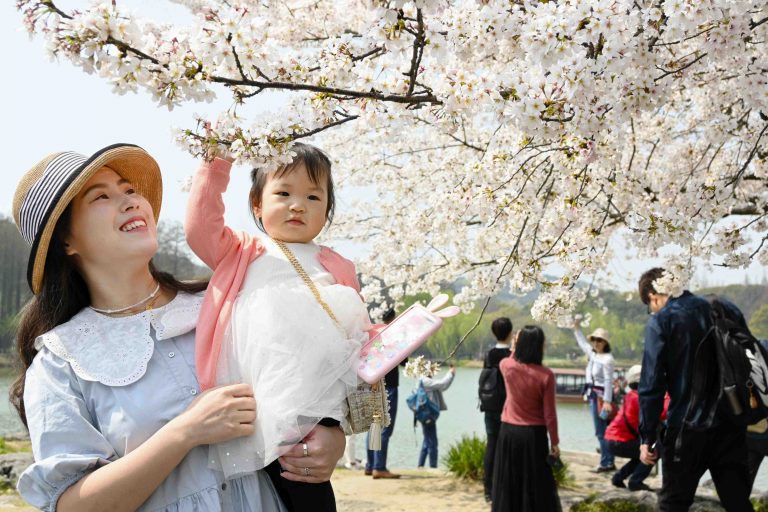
570,383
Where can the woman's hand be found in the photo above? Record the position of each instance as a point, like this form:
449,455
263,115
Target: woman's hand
219,414
607,407
324,448
555,451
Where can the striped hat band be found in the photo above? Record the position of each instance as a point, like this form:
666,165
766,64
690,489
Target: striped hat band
62,169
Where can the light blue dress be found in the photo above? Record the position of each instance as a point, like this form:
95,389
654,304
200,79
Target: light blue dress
101,386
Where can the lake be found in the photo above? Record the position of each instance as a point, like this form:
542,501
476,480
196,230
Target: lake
462,418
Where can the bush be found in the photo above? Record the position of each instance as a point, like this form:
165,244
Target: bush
465,458
563,478
591,505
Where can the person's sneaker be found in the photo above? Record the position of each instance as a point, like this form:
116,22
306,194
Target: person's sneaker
618,483
642,486
384,474
604,469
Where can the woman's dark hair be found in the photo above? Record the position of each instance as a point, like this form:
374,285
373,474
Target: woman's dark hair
501,327
633,385
645,285
529,347
318,167
606,348
63,293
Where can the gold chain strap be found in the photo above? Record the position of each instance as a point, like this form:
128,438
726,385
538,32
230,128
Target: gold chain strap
377,395
307,280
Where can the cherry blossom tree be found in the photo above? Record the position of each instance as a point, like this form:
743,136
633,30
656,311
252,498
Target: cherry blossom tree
511,143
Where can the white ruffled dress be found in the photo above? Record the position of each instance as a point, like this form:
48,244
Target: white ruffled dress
100,387
285,345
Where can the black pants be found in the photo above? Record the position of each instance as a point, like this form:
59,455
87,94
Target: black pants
492,426
757,448
722,450
634,470
301,496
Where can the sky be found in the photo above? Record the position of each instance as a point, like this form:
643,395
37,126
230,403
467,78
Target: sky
51,106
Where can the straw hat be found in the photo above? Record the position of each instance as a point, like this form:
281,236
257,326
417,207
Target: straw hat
633,374
46,190
599,333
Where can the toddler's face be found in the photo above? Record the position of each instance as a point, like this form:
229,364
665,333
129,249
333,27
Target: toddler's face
293,209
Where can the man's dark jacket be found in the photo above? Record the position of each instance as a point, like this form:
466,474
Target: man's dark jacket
671,338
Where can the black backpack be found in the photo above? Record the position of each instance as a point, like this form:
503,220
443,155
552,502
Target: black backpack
491,390
730,374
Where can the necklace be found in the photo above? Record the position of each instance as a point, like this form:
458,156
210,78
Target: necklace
120,310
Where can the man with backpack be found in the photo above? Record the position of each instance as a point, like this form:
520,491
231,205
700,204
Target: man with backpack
697,435
492,394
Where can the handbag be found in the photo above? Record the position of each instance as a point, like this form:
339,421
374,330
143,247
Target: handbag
395,342
367,406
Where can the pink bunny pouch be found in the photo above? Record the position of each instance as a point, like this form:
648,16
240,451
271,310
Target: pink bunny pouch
401,337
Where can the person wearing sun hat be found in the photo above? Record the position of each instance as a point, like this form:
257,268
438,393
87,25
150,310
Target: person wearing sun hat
599,382
108,389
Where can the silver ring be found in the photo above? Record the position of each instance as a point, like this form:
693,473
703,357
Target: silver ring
306,449
306,471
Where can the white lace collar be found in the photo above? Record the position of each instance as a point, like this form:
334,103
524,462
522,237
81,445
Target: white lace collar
115,351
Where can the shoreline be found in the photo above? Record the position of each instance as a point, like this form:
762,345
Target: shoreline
433,490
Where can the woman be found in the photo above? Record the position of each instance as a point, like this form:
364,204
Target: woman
522,478
109,394
599,375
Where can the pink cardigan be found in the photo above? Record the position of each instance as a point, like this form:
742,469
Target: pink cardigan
228,253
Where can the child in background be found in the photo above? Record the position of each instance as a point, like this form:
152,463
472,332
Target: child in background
282,314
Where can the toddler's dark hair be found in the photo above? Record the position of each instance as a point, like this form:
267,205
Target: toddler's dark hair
318,167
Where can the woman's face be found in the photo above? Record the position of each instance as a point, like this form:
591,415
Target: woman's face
599,345
111,224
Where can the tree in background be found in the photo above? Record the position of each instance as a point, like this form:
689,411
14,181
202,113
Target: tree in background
507,138
758,324
173,256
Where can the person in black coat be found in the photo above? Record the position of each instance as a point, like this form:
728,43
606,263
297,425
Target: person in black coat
502,331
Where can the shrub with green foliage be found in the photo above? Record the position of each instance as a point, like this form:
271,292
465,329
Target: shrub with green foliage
760,503
465,458
563,477
590,505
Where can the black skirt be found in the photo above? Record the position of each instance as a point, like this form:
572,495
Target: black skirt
522,479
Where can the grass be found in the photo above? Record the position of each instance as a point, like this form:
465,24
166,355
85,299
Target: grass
589,505
563,477
465,458
14,446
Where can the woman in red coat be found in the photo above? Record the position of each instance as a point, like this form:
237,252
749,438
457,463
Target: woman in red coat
623,439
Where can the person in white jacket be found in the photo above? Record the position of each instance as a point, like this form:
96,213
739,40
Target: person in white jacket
599,377
434,389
